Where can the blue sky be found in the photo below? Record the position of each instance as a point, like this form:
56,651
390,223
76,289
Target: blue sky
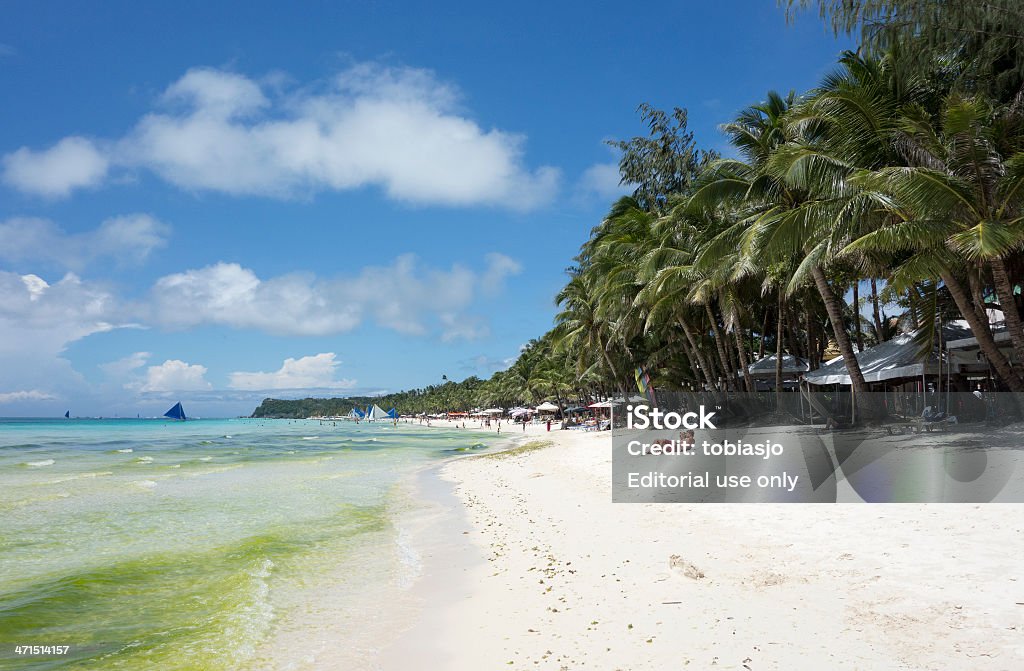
219,202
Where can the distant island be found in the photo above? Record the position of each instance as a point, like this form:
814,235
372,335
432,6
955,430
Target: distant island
453,396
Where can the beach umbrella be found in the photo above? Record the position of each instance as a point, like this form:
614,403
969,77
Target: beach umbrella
601,404
547,406
493,411
519,412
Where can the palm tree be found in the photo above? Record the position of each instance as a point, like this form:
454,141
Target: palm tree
580,329
780,185
958,207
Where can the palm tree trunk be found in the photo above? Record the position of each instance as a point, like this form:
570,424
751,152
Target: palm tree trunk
812,349
835,315
734,364
691,357
1009,305
974,281
764,334
982,333
791,339
615,373
701,358
720,345
822,342
875,313
778,350
856,315
740,346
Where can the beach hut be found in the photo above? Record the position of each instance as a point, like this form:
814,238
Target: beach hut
967,358
899,369
889,361
763,371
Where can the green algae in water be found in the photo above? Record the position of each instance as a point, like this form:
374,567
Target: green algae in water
189,559
207,609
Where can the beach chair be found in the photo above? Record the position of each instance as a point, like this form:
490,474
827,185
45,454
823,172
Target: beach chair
899,428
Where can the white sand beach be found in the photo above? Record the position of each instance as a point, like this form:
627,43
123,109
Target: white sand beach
532,566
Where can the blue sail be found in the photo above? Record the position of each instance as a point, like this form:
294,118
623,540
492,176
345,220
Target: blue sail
177,412
67,415
393,413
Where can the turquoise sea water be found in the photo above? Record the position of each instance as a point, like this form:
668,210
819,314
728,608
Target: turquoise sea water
192,545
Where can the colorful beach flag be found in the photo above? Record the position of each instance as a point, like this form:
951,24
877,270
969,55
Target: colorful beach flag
643,383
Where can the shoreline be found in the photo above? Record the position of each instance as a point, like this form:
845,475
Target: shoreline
440,535
535,567
456,556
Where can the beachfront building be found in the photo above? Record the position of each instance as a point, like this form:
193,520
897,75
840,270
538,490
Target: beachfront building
763,372
910,381
967,359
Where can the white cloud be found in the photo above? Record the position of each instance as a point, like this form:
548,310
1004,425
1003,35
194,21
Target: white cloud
459,327
401,296
215,93
499,267
72,163
309,372
125,239
29,395
228,294
398,129
38,320
122,368
175,375
601,180
49,316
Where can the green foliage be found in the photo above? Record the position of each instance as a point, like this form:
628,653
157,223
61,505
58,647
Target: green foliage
982,41
665,162
434,398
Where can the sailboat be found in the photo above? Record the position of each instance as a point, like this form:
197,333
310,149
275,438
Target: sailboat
375,412
67,415
177,412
